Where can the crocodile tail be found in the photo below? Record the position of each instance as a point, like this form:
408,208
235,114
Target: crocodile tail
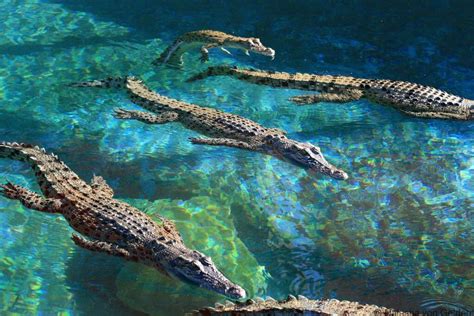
110,82
213,71
15,151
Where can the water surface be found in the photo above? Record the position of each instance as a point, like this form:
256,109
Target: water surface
399,231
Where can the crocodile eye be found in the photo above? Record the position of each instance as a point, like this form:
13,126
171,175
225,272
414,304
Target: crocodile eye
316,150
206,261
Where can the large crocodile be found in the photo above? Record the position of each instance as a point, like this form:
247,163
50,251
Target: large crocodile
112,226
224,129
208,39
293,306
410,98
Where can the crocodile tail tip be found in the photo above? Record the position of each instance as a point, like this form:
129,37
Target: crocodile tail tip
110,82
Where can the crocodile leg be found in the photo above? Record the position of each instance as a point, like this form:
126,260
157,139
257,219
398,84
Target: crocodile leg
99,185
327,97
223,142
145,117
205,51
226,51
30,199
102,246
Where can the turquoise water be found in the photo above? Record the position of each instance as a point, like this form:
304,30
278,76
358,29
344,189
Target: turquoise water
399,231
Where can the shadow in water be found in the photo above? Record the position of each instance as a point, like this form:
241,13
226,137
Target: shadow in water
65,43
314,32
91,278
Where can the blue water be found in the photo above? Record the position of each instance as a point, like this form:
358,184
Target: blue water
399,231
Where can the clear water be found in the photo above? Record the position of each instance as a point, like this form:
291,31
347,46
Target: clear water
399,231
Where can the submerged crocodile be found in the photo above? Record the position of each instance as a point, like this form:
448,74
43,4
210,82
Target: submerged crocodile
208,39
112,226
295,306
224,129
410,98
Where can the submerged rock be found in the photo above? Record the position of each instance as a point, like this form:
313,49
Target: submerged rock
206,227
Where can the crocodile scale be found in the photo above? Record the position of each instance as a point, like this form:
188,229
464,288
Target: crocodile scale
410,98
292,306
223,128
111,226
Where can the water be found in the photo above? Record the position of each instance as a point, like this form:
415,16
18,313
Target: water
397,233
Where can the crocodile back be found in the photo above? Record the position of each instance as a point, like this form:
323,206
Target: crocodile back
414,98
118,222
208,121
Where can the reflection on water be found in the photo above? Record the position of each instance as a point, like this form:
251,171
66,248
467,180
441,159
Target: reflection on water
397,233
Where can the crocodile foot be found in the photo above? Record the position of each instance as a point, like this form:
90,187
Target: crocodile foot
11,191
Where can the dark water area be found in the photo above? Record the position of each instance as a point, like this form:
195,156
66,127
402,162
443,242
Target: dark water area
398,232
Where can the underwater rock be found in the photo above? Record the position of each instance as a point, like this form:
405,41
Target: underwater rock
207,227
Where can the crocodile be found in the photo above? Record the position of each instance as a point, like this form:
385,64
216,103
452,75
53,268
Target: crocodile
208,39
292,306
109,225
224,129
410,98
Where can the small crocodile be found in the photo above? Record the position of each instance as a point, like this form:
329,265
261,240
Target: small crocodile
293,306
224,129
410,98
112,226
208,39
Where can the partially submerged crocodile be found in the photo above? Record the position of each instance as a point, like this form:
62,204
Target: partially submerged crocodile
410,98
295,306
208,39
112,226
224,129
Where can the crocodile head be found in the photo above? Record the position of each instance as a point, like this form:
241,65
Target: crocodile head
251,44
302,154
195,268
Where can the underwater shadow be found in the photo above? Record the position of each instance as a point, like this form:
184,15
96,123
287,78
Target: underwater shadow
91,279
65,43
366,25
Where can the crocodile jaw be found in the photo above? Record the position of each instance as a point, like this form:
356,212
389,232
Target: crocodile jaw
266,51
195,268
251,44
317,163
308,156
470,104
257,47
